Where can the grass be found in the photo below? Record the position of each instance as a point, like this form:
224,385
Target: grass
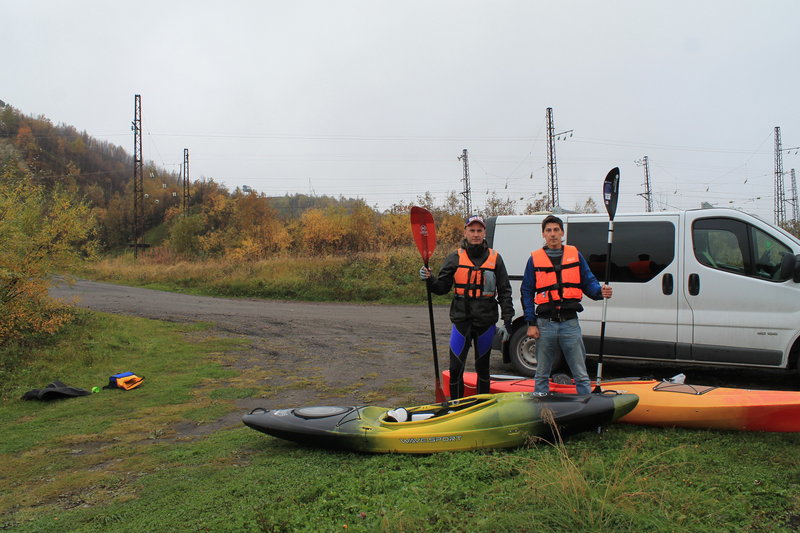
118,461
385,277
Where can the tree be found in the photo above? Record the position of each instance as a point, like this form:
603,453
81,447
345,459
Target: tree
41,233
426,201
27,146
538,205
450,230
792,226
496,206
184,235
588,207
361,228
321,231
255,231
454,204
394,229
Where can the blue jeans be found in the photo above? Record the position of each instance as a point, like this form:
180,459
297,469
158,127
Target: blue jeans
567,335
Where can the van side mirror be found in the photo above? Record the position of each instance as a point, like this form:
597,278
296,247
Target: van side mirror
790,267
796,277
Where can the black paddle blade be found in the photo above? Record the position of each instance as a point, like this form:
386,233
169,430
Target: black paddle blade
611,191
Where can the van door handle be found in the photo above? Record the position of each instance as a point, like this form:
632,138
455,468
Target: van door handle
694,284
666,284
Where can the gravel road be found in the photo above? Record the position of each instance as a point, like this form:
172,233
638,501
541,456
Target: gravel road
312,352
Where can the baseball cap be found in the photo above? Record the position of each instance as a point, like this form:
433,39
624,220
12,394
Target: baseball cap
475,218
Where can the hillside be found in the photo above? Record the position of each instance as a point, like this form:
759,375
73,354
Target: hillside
101,174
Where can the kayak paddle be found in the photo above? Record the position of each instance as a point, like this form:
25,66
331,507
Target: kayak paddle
424,230
610,196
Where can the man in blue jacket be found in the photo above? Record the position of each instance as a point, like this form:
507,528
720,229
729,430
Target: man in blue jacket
556,276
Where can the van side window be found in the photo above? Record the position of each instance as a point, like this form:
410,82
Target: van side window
734,246
720,244
641,249
768,255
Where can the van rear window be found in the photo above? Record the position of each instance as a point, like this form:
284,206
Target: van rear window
641,250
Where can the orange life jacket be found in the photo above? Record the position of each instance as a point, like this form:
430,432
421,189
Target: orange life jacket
475,281
548,289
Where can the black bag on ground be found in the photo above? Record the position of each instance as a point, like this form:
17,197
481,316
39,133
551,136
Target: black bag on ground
55,391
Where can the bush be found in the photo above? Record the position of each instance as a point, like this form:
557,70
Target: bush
41,232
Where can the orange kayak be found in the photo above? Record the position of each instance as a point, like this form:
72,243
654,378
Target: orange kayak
663,403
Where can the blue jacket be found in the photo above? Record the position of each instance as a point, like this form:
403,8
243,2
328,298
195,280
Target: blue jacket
589,285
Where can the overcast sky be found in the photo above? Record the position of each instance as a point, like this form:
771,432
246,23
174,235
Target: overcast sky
377,99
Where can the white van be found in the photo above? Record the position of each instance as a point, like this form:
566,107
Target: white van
705,286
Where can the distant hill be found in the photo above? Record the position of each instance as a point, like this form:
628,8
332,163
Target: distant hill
61,154
102,174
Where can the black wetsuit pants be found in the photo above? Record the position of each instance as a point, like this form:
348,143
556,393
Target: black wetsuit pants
462,335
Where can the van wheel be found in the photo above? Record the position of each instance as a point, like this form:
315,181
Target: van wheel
522,352
794,355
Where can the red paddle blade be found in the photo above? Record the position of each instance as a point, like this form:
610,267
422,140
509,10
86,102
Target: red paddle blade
424,231
440,397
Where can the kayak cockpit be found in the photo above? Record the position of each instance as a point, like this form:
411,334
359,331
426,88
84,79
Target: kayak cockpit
426,412
683,388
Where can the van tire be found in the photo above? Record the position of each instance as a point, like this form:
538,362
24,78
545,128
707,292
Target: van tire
522,352
794,355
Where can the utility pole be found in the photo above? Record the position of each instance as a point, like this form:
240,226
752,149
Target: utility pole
467,192
794,197
780,207
648,193
138,178
552,177
552,174
185,199
780,195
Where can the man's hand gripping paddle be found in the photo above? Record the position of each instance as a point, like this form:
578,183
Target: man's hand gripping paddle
424,231
610,196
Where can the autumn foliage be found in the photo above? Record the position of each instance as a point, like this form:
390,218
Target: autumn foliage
250,227
41,232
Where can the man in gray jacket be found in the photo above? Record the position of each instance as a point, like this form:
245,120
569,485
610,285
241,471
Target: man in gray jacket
480,283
